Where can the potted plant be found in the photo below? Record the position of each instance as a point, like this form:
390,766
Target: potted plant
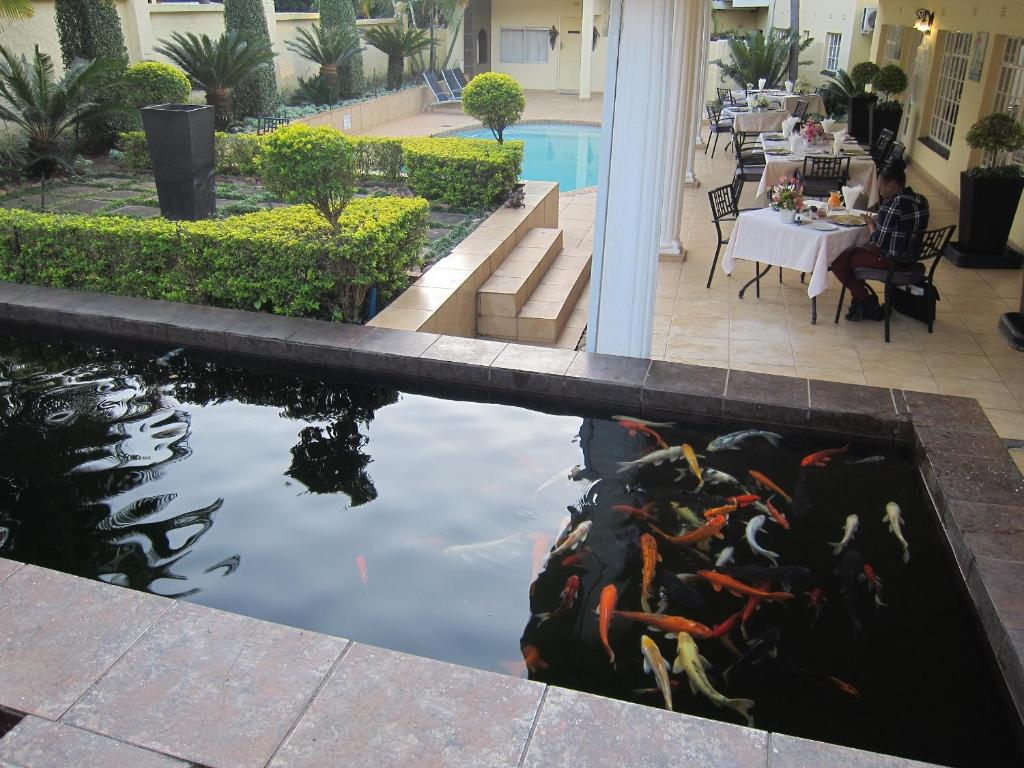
891,81
989,195
851,88
761,103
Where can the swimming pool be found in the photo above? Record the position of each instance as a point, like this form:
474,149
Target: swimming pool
424,525
562,152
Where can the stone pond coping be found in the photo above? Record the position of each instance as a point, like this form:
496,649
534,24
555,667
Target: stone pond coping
975,487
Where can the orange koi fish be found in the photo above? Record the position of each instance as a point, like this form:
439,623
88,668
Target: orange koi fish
606,607
753,603
533,660
712,528
766,483
724,510
633,428
671,624
363,573
569,593
723,629
720,581
844,687
640,513
745,500
649,558
777,516
821,458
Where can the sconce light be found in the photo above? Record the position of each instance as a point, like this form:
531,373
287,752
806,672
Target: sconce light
925,19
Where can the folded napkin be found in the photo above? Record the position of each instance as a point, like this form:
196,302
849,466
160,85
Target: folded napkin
760,83
789,86
787,126
828,123
851,195
837,142
796,141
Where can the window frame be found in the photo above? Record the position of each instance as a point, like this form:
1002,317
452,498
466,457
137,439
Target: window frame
524,30
831,37
949,89
894,37
1010,86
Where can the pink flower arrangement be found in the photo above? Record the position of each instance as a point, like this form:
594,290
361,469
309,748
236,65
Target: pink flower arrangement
787,194
812,130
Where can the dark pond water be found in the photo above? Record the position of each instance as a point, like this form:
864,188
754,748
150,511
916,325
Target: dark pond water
421,524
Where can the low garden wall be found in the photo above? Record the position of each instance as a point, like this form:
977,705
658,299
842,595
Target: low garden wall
364,115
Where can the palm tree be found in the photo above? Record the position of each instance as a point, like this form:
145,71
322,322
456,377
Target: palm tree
330,48
216,66
15,10
397,44
45,107
757,55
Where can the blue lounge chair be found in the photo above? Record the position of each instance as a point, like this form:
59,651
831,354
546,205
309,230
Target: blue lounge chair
460,78
452,82
440,94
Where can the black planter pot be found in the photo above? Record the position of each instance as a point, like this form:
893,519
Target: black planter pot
881,119
181,146
1012,325
987,208
858,116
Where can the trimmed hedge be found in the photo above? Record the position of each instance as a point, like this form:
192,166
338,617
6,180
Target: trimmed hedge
468,173
286,260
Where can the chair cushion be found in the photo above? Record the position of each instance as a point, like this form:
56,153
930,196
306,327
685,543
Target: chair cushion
911,276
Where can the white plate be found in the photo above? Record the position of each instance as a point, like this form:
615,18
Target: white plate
823,226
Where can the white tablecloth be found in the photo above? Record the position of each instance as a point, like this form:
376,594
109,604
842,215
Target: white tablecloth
755,122
862,169
786,101
763,237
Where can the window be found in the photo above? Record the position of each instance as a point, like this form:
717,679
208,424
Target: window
893,44
524,46
832,42
1010,89
952,69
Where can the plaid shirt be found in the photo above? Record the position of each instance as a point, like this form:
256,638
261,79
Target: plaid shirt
901,222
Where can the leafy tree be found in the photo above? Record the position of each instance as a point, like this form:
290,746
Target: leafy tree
256,93
153,82
45,107
861,75
332,49
996,134
341,15
756,55
216,66
398,44
890,80
496,100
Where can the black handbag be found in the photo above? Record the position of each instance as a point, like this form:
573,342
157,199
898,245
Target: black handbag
916,301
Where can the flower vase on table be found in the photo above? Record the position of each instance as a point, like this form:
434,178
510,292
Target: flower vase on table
787,198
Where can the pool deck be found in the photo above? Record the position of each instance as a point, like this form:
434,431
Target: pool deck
116,677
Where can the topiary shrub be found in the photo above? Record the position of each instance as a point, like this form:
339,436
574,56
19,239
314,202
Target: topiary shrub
153,82
862,74
340,14
316,166
496,100
469,173
256,93
996,134
890,80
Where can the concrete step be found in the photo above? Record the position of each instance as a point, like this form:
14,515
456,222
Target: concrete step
545,315
511,283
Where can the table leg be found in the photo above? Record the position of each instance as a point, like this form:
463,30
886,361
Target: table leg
814,310
756,279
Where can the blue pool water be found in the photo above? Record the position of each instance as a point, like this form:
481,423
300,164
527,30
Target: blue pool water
560,152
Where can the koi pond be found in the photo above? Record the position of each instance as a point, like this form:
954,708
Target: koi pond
800,584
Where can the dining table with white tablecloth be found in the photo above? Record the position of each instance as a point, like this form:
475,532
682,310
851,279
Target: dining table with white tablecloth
746,120
781,160
784,101
762,236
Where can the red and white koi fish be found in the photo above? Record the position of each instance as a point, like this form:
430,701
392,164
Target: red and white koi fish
574,539
821,458
874,584
568,601
634,428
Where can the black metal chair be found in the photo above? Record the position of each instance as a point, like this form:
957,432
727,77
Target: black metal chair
725,96
896,150
723,209
800,109
750,162
268,124
880,151
822,175
906,272
716,126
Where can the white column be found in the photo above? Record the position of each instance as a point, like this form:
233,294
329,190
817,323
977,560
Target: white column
701,46
679,135
586,47
630,184
138,30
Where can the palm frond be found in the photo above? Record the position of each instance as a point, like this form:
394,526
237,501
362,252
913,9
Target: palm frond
215,64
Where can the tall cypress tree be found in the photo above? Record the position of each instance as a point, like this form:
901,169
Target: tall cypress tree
256,94
91,29
341,14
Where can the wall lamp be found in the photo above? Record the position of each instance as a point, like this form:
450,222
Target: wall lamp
925,19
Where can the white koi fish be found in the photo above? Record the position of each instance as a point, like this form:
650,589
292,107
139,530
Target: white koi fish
656,663
753,526
654,457
483,549
569,474
724,557
894,518
574,539
731,442
849,529
689,660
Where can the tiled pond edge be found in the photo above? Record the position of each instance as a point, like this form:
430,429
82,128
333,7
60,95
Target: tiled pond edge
977,490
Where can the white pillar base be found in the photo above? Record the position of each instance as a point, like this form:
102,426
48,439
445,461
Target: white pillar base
670,248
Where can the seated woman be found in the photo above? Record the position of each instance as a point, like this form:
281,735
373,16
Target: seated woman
895,235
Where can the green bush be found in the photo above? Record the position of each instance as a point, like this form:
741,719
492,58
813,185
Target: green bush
470,173
237,153
153,82
378,157
256,93
314,166
341,14
890,80
862,74
496,100
287,260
